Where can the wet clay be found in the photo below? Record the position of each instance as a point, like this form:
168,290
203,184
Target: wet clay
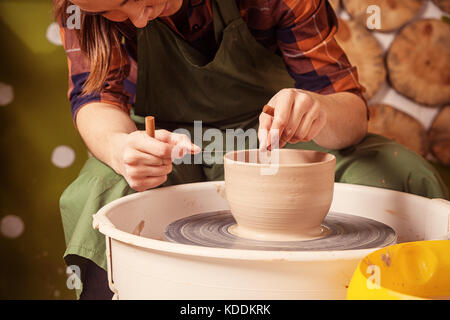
287,205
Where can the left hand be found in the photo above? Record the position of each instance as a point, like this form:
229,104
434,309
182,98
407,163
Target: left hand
299,117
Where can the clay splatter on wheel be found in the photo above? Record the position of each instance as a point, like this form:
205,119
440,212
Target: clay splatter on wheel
418,62
364,52
393,13
398,126
439,136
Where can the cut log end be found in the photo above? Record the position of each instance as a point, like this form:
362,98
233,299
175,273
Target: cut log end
397,125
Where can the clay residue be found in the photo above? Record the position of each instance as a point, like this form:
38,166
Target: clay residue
190,203
386,258
448,229
138,229
399,214
220,189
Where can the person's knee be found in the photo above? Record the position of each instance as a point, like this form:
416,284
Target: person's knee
395,167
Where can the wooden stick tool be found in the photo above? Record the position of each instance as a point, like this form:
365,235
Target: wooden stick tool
150,126
269,110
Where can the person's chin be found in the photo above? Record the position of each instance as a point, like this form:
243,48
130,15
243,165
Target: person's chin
172,7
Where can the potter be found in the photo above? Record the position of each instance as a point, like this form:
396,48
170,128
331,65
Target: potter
218,61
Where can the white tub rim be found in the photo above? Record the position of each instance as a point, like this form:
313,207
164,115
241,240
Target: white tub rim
106,227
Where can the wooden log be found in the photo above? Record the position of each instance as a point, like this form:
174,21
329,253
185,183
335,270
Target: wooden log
364,52
418,62
336,4
393,13
397,125
439,136
444,5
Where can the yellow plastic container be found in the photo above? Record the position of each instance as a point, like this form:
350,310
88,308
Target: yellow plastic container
411,270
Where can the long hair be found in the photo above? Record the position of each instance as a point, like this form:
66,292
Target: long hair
99,38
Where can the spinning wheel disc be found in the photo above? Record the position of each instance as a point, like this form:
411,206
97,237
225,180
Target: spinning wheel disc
347,232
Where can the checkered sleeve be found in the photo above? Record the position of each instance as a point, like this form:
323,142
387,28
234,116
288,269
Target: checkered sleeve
305,37
114,90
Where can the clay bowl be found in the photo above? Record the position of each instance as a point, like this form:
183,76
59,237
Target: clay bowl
285,200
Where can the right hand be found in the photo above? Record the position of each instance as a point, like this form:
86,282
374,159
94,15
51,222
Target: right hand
145,162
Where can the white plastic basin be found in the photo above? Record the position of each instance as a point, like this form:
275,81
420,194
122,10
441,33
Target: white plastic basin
147,267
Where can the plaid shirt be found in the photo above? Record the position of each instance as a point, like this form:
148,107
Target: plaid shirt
302,32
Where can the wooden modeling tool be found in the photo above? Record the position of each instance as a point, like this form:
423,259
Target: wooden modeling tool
150,126
269,110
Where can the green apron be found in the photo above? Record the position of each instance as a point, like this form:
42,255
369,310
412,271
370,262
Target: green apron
178,85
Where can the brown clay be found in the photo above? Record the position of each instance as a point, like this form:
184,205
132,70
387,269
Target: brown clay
288,205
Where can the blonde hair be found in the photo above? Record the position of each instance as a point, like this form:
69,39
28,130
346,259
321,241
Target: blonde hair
99,39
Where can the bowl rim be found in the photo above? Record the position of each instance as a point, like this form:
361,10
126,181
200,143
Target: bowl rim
332,158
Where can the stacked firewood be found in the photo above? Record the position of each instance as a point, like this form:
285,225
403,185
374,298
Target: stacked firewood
416,65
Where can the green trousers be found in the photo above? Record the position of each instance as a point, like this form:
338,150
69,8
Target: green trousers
376,161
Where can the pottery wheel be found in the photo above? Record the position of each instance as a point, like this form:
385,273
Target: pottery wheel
347,232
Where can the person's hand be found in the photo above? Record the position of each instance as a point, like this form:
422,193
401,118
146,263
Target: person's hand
145,162
299,117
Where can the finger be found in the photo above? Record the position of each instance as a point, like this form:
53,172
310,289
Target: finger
297,114
178,139
152,146
146,183
265,122
316,127
312,131
134,157
305,126
283,143
163,135
295,138
141,172
282,102
185,143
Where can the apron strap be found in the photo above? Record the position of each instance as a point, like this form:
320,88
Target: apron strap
224,12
